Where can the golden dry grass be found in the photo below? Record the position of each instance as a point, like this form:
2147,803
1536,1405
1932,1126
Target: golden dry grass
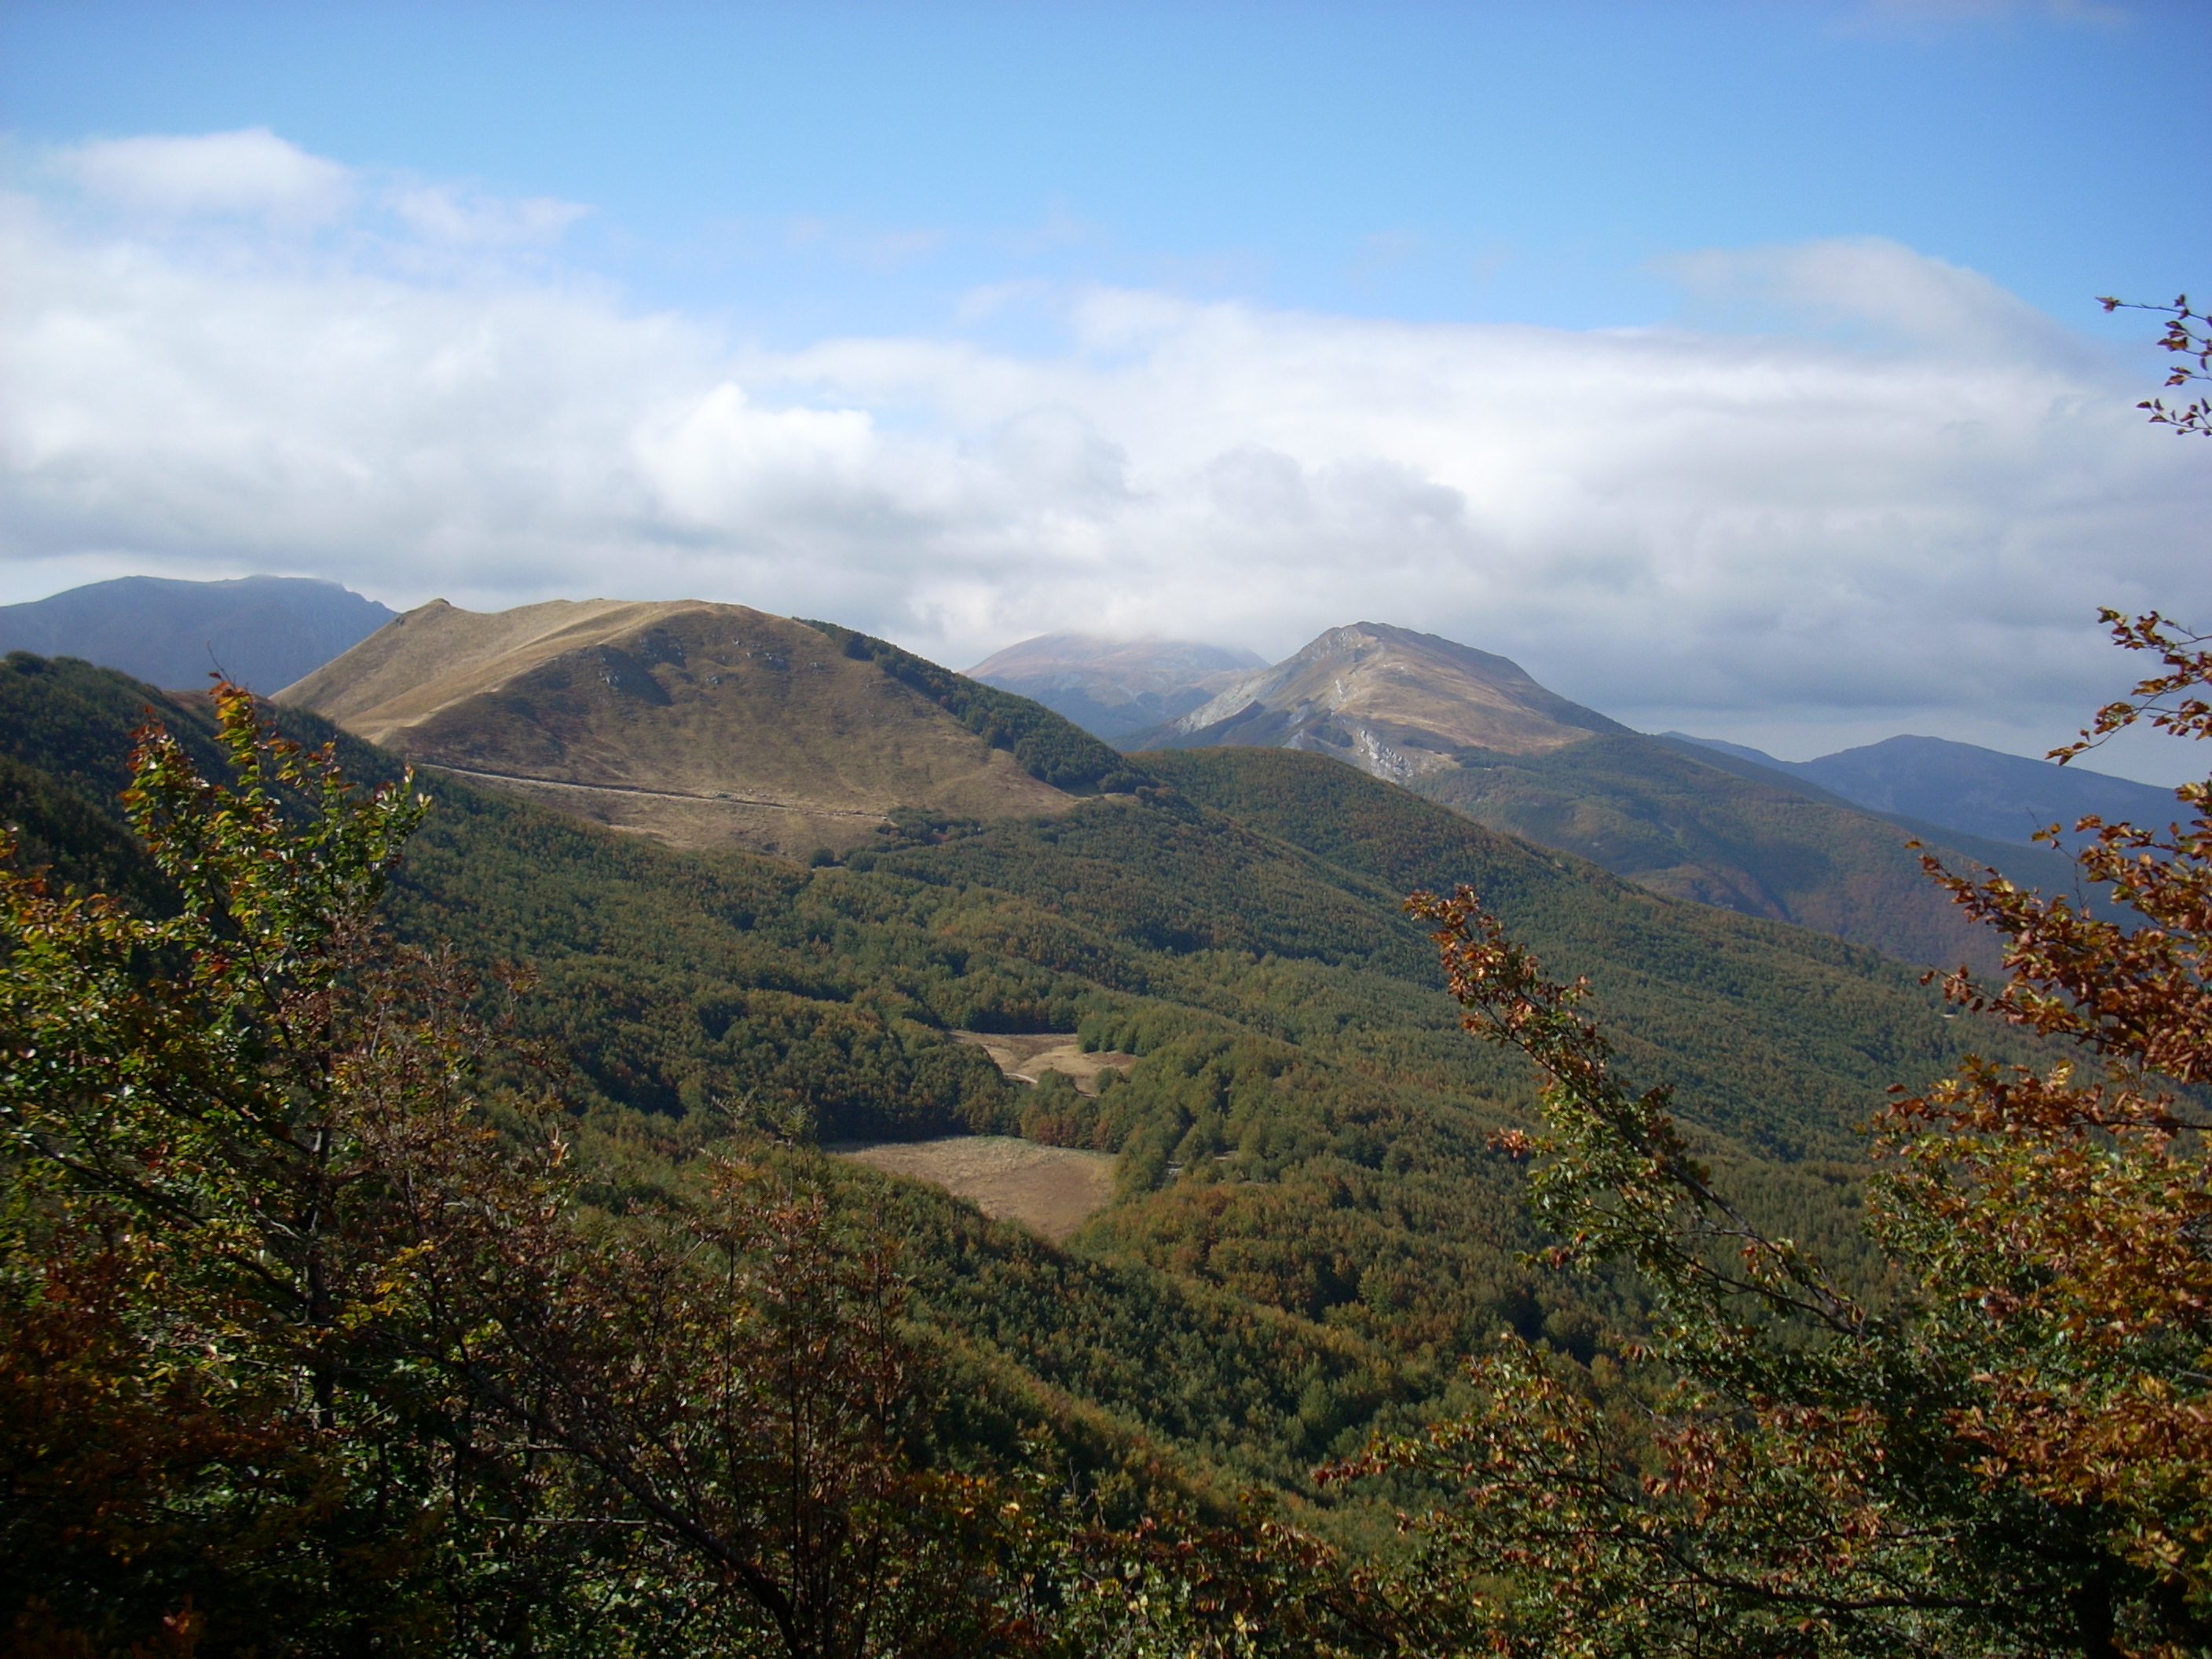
1052,1190
1030,1057
700,725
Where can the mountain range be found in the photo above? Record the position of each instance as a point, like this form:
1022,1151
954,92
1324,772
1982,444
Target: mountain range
1328,697
1309,1221
1476,734
769,879
705,726
263,632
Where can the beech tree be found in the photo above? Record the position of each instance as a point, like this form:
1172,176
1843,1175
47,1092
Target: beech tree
2060,1221
2016,1457
2187,338
195,1278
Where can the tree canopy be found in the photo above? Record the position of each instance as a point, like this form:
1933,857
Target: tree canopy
2004,1453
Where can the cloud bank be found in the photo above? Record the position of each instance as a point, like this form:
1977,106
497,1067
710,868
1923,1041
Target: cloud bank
1895,506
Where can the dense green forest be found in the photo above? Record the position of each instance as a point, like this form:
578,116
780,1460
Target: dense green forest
1237,926
1694,823
1311,1225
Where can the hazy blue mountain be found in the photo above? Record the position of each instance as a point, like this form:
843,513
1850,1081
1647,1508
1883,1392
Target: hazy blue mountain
1114,687
264,631
1960,787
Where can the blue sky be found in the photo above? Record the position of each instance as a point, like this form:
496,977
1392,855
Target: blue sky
862,167
1699,354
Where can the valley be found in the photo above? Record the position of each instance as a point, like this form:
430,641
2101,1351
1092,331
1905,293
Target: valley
1208,976
1148,1099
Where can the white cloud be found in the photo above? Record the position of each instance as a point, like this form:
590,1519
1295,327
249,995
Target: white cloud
1871,287
249,172
441,213
1747,534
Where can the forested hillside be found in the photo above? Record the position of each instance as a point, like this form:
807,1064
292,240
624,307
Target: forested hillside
1696,826
1309,1223
1961,788
1238,930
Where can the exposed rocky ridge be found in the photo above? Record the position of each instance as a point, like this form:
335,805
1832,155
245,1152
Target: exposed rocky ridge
697,724
1115,686
263,632
1395,703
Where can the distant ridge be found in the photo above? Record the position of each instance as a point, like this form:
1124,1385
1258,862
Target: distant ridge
1115,686
1963,788
263,632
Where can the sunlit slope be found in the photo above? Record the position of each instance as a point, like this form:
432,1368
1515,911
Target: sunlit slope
1392,701
698,725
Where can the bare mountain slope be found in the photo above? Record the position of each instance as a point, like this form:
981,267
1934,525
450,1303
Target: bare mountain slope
1115,686
697,724
1391,701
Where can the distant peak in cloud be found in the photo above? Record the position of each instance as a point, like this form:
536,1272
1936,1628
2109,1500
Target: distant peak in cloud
248,172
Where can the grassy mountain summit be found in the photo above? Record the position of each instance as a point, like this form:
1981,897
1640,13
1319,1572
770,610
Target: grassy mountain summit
1115,686
1394,702
697,724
